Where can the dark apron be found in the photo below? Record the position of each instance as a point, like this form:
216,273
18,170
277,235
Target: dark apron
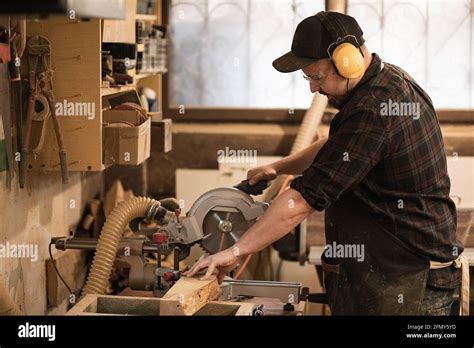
392,278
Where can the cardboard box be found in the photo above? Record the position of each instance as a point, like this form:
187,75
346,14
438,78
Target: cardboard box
125,140
130,117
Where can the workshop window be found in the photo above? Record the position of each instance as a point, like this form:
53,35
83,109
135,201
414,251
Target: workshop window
432,40
222,53
222,50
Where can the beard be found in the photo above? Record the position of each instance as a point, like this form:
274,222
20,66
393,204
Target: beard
335,102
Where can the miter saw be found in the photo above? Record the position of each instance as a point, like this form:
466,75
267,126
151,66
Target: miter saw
216,220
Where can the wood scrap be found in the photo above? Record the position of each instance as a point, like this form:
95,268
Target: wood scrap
72,266
113,197
92,219
189,295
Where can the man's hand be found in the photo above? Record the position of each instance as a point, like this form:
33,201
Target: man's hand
224,261
267,172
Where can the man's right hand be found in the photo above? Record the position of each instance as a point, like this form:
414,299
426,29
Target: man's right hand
266,172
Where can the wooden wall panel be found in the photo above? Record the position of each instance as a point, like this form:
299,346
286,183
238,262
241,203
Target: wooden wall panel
76,52
115,30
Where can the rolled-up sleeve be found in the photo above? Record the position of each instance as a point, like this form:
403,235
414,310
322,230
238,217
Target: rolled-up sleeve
351,151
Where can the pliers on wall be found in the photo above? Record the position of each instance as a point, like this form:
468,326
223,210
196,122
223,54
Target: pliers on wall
41,104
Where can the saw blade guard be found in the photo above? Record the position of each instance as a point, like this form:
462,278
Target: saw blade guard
220,217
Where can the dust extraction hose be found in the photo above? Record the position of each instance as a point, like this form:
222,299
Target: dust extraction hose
7,306
304,138
109,239
309,126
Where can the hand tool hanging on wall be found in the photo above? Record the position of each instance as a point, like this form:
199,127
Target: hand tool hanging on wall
41,105
15,80
17,49
19,30
10,52
5,120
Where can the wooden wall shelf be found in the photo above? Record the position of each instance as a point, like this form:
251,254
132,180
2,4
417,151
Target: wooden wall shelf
117,89
77,63
146,17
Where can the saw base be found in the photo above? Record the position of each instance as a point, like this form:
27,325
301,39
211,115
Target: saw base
107,305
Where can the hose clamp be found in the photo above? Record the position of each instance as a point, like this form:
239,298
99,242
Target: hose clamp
152,210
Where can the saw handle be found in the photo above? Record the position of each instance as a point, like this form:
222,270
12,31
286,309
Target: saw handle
255,190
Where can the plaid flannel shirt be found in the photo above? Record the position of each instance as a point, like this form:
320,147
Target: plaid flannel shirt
385,145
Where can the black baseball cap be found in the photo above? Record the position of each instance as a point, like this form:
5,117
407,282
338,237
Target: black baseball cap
313,37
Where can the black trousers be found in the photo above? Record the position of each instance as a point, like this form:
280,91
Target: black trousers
437,301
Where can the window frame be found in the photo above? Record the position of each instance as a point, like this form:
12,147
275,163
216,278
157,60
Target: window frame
263,115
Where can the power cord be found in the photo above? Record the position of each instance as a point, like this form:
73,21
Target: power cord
57,271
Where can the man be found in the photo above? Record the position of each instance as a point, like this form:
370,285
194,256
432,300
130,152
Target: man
381,178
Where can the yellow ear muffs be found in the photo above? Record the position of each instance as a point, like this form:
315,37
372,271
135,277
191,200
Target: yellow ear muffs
348,60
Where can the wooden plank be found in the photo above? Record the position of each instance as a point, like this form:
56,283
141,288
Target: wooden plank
188,296
155,116
134,178
113,197
86,306
157,9
75,59
72,266
105,91
121,30
153,81
141,76
146,17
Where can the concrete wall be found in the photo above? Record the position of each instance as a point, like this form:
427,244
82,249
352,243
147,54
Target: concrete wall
33,215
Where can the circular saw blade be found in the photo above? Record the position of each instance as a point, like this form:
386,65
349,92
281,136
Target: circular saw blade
222,229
